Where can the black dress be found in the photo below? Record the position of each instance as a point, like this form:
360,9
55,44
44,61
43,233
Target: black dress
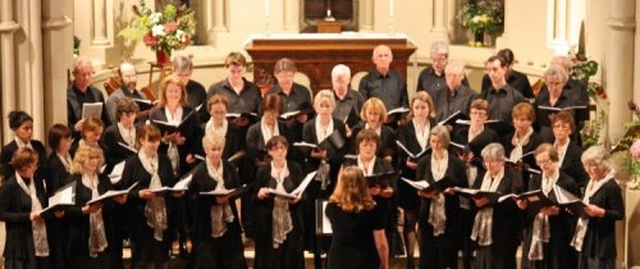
145,248
441,251
408,198
189,129
7,152
506,226
57,229
15,210
600,238
353,244
558,254
79,228
289,254
572,165
226,251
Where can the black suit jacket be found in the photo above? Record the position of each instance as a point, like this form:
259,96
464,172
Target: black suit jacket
462,101
600,239
114,152
572,165
74,107
189,129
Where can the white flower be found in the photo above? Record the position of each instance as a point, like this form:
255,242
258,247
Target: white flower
157,30
181,35
155,17
475,19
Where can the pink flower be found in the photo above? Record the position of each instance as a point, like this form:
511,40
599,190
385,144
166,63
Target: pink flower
149,40
635,149
170,26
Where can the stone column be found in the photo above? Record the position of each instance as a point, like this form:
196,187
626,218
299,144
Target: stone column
439,30
366,16
219,11
291,16
7,71
619,63
99,30
560,41
32,96
57,58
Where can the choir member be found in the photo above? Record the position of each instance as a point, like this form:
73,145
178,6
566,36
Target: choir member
153,213
243,96
374,115
59,167
454,96
595,236
383,82
90,241
557,96
440,211
279,237
548,228
80,92
517,80
217,234
432,79
359,240
91,134
569,153
414,135
196,95
21,124
348,102
496,228
325,159
180,145
501,96
368,142
257,154
120,139
474,137
523,140
218,124
22,199
129,80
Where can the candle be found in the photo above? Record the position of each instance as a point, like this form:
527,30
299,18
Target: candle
267,7
391,8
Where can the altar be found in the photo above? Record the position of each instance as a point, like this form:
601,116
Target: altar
316,54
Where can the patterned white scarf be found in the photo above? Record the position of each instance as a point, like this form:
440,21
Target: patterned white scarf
211,128
22,144
266,131
437,215
221,214
422,133
172,151
541,229
155,210
482,231
97,235
38,227
282,223
517,151
128,135
66,161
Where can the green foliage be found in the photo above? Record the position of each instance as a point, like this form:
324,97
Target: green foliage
482,16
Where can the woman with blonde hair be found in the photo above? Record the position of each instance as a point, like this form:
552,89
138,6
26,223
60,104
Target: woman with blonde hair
90,242
374,115
359,239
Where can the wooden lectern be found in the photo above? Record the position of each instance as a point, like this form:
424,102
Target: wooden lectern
316,54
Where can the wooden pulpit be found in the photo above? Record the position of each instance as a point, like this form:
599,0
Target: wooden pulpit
316,54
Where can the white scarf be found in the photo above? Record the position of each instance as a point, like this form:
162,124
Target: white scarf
282,223
437,214
66,161
266,132
323,132
517,151
172,151
583,223
175,118
155,210
541,229
368,169
221,214
422,133
38,227
97,235
211,128
482,231
128,135
377,130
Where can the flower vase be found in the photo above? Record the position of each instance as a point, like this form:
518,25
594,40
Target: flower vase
479,38
162,57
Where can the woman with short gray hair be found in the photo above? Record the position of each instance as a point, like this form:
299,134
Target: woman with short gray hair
439,215
595,236
496,228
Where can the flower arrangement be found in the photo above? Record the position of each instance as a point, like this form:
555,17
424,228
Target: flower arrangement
76,45
633,164
170,29
481,15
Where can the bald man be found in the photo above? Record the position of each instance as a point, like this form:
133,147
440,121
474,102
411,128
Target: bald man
128,78
384,83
